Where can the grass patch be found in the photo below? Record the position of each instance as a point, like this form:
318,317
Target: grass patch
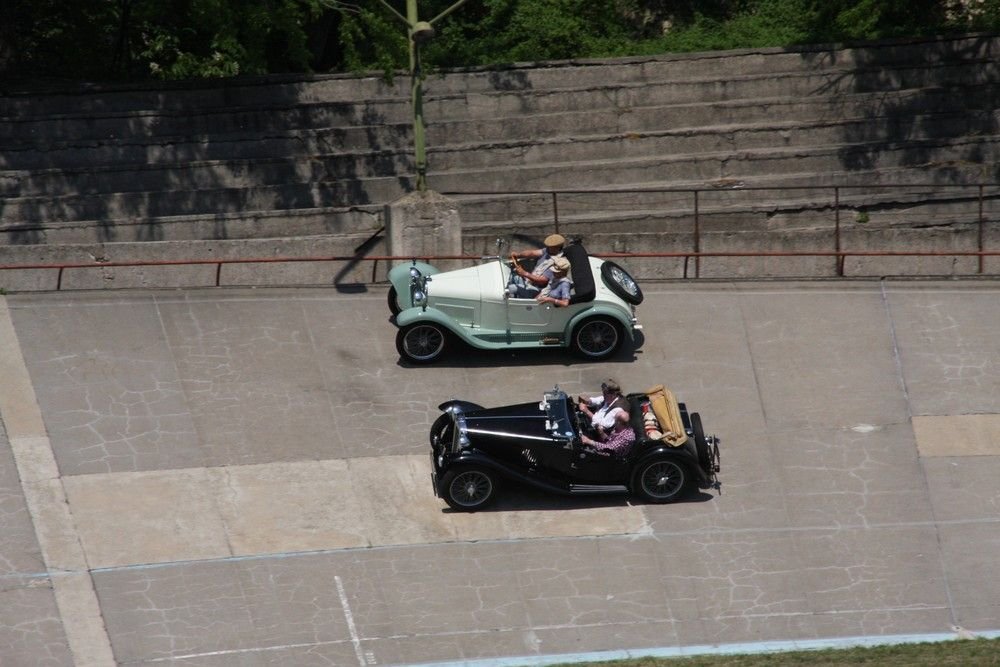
959,653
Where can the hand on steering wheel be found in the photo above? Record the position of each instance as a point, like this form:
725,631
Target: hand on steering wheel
513,259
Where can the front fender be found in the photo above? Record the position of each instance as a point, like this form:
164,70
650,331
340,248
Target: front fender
399,276
601,309
464,406
474,457
431,314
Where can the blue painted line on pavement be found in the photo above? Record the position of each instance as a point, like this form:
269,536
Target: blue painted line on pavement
713,649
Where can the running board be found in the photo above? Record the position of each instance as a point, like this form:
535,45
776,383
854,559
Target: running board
597,488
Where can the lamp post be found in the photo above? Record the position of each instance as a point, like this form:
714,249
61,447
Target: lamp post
418,32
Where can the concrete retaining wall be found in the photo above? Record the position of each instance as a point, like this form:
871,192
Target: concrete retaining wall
306,162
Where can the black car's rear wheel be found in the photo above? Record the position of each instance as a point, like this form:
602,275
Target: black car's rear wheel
596,338
469,488
393,301
621,283
421,343
660,480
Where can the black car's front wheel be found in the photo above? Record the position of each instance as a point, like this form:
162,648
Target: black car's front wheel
661,480
421,343
596,338
469,488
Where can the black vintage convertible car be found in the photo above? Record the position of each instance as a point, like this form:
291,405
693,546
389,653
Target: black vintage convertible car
474,450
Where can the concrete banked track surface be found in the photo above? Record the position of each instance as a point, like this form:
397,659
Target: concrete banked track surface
240,477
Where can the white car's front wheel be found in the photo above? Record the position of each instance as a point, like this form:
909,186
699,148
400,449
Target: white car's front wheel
596,338
421,343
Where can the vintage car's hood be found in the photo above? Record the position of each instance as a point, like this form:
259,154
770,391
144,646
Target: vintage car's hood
524,419
468,283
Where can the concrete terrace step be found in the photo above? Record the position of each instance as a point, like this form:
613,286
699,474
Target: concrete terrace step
448,94
319,155
852,136
790,85
98,254
119,125
779,208
29,153
180,151
781,211
721,65
789,162
145,206
296,89
961,155
754,192
564,95
243,224
616,153
192,176
215,192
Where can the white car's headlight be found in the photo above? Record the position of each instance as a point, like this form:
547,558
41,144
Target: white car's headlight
414,272
418,297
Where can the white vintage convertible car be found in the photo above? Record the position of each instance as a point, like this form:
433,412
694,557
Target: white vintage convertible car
434,309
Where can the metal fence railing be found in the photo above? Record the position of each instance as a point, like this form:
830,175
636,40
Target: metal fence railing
561,208
838,200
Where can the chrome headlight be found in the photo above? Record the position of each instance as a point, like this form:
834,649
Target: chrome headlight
418,297
414,272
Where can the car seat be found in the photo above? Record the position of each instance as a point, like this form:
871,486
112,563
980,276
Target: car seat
582,276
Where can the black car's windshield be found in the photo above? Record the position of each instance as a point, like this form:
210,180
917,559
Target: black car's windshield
557,420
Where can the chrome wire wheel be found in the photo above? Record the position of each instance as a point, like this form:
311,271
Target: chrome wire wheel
619,275
661,481
596,338
422,343
470,489
621,283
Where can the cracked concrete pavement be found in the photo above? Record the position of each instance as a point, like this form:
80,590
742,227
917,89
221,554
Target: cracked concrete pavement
239,477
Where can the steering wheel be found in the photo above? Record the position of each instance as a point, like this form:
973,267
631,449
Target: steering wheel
513,260
578,420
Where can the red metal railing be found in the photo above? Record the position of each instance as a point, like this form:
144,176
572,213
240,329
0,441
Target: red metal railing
837,253
697,196
840,256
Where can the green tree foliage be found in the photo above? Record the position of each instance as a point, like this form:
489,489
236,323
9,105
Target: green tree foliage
178,39
160,39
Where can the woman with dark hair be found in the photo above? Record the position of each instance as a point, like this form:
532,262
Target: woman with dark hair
603,409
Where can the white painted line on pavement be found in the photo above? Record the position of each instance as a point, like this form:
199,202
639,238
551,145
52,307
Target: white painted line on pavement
45,496
349,617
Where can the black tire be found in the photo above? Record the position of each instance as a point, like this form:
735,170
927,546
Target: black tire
596,338
422,343
660,480
469,488
701,443
621,283
393,302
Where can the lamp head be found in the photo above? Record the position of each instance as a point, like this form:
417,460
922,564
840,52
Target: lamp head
422,32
